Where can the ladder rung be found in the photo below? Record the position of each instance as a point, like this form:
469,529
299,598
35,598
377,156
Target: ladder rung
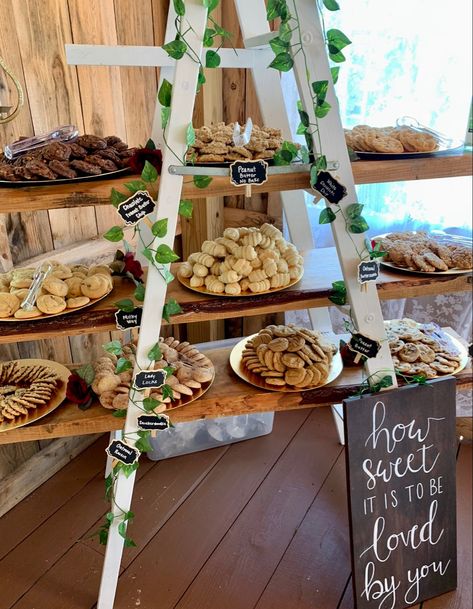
260,41
192,170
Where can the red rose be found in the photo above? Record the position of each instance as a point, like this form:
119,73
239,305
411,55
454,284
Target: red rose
137,161
77,390
132,266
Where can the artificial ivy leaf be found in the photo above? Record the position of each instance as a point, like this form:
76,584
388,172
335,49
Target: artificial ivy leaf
87,373
166,275
301,129
359,225
165,114
114,234
103,536
143,444
210,4
190,135
202,181
160,228
129,543
201,80
321,163
115,347
108,485
339,286
212,59
139,293
169,370
337,57
122,528
149,173
119,414
290,147
179,7
282,62
337,39
126,305
123,365
117,197
386,381
320,88
335,72
331,5
314,172
165,255
109,517
129,469
149,404
185,208
338,299
175,49
154,354
167,392
148,254
172,307
278,45
326,216
135,186
354,210
304,118
165,93
322,110
273,10
150,145
304,154
209,36
374,255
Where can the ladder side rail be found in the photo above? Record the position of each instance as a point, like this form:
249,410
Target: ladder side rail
183,99
365,305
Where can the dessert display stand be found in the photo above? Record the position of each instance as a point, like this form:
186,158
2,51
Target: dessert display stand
229,396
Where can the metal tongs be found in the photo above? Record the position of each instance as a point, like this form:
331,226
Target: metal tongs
60,134
239,138
413,123
40,275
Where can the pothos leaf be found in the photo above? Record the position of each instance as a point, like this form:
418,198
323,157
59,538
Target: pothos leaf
175,49
354,210
114,234
209,36
212,59
139,293
331,5
335,72
160,228
321,110
190,135
202,181
87,373
123,365
114,347
149,173
179,7
165,93
165,114
154,354
210,4
320,88
148,254
149,404
172,307
282,62
165,255
167,392
185,208
135,186
278,45
126,305
337,39
358,225
326,216
339,286
117,197
120,414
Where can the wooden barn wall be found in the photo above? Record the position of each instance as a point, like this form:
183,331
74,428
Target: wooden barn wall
103,101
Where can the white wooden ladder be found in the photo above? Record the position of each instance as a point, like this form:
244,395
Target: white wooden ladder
256,56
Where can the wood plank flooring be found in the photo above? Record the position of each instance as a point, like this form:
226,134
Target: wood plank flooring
257,525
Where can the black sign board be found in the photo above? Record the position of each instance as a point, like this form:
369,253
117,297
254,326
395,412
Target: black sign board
249,173
364,345
149,379
368,271
400,452
125,321
123,452
330,189
154,421
136,207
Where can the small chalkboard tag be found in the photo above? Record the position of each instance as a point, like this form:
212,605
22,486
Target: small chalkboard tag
149,379
330,188
364,345
154,422
368,271
249,173
123,452
125,320
400,452
136,207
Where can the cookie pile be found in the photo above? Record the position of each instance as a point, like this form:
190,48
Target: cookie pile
288,357
86,155
393,140
24,388
243,261
421,349
214,144
421,251
65,287
193,371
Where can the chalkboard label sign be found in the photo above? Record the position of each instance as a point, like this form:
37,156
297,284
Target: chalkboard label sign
364,345
400,451
330,188
249,173
368,271
149,379
125,321
123,452
136,207
154,421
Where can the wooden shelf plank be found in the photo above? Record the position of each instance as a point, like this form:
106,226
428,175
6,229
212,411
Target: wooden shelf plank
34,198
228,396
321,269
